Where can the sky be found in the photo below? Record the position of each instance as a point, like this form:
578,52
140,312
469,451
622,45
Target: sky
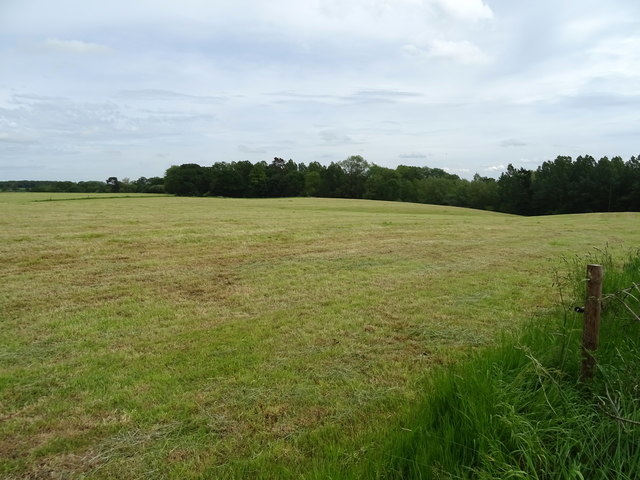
93,89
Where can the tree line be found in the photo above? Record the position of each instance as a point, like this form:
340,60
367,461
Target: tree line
350,178
572,186
111,185
557,186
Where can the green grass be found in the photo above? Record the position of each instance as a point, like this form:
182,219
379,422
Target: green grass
518,410
163,337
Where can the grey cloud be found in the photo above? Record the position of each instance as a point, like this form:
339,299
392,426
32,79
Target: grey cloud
26,168
61,117
335,137
16,138
387,94
176,116
512,142
357,97
154,94
626,132
333,82
76,47
359,94
245,149
598,100
413,155
26,98
303,96
65,128
117,153
381,96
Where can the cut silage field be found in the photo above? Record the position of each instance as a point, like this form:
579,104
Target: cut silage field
163,337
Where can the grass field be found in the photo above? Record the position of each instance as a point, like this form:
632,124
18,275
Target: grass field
163,337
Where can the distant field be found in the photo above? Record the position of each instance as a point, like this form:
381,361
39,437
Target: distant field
163,337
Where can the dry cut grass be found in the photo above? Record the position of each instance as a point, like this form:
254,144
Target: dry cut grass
156,337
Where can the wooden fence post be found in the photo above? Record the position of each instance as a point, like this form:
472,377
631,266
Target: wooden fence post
592,309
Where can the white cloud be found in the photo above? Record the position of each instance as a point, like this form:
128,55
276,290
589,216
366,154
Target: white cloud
495,168
459,51
473,10
585,28
617,57
463,51
74,46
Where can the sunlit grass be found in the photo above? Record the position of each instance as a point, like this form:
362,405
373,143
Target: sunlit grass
183,337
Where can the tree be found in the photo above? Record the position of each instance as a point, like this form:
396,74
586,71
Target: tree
258,180
154,185
633,179
292,183
550,187
93,186
275,177
581,184
313,179
515,191
482,193
127,186
114,184
141,184
188,179
312,183
356,169
227,180
382,184
439,190
333,179
611,175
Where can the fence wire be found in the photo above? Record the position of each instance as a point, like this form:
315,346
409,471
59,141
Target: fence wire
629,298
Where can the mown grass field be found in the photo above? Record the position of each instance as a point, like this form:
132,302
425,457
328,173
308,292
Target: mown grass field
162,337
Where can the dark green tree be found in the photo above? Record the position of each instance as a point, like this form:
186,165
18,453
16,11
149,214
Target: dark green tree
482,193
514,188
333,181
550,192
258,180
356,170
312,183
188,179
227,180
611,175
114,184
632,174
382,184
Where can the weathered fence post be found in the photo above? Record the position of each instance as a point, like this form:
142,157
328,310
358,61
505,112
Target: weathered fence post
591,332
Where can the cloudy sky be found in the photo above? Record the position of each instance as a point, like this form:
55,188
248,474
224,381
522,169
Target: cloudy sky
91,89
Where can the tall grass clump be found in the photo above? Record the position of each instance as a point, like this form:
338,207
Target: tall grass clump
518,410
